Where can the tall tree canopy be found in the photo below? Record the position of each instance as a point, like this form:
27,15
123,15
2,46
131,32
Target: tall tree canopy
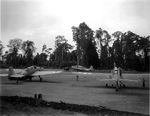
28,48
103,39
14,45
45,50
61,50
117,48
1,48
128,50
12,57
83,36
135,51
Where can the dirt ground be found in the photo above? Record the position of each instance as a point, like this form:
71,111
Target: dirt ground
87,90
15,105
22,109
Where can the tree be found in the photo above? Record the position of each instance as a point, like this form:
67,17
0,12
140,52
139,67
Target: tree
83,36
46,54
98,37
117,48
36,60
102,39
44,48
92,55
61,50
28,48
12,57
1,52
73,56
143,46
1,48
59,41
42,59
75,31
133,47
14,45
147,51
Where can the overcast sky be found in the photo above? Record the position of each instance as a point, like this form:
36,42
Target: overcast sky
42,20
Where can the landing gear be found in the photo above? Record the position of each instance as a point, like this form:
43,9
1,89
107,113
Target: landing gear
40,78
17,81
117,85
143,85
121,84
30,78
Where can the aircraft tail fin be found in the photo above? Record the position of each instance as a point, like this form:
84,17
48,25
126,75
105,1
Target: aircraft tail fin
11,71
91,67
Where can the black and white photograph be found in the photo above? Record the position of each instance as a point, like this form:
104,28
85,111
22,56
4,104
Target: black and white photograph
74,57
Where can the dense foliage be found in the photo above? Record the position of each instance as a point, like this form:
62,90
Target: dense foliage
97,48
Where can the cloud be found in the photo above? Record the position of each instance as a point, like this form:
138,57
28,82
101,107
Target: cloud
42,20
18,15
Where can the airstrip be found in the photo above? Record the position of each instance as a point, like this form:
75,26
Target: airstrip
87,90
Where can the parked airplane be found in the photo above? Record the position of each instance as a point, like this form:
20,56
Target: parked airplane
27,73
81,68
118,79
115,77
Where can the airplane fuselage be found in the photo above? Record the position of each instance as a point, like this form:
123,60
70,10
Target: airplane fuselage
29,71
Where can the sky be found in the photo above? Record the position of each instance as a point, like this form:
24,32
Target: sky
41,21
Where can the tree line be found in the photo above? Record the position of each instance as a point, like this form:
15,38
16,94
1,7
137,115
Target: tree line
97,48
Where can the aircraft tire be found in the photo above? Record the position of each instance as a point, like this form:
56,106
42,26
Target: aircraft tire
30,78
40,79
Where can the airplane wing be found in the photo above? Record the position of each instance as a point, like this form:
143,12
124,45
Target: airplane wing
130,80
125,80
3,75
17,76
105,79
84,73
37,73
13,76
16,70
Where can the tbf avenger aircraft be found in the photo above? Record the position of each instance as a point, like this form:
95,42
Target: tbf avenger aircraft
27,73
